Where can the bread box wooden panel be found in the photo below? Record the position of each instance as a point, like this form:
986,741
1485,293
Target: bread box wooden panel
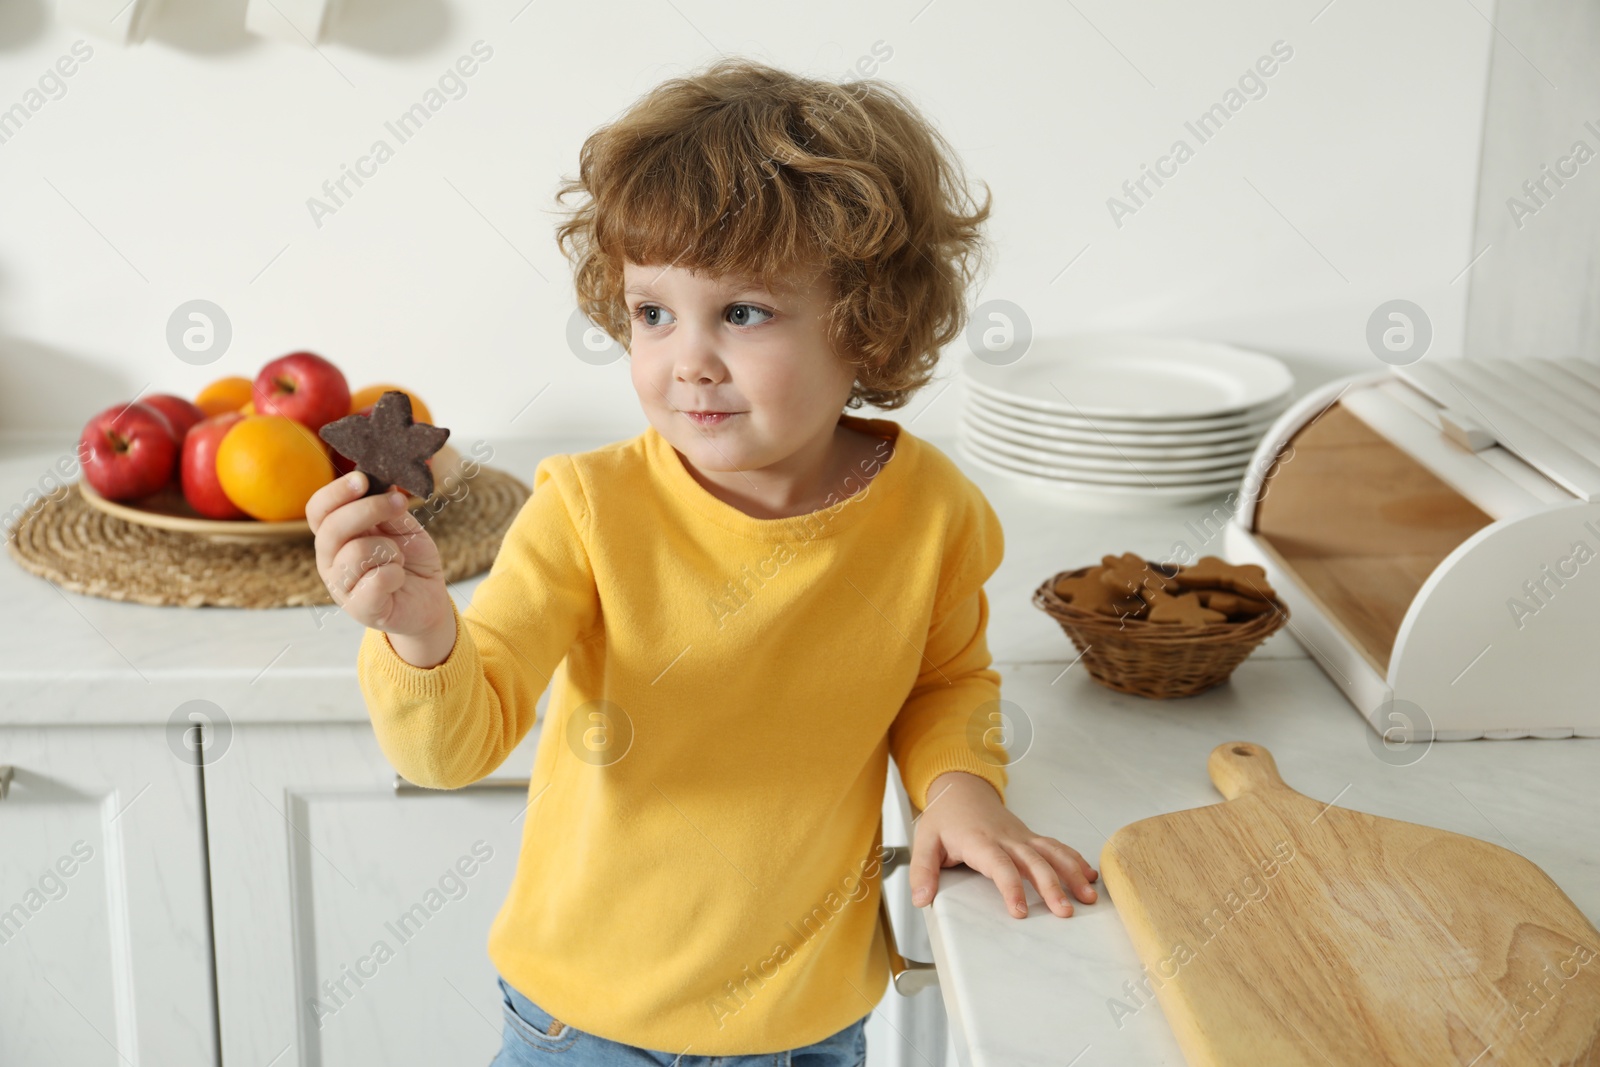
1435,531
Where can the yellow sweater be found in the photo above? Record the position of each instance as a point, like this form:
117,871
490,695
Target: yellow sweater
699,868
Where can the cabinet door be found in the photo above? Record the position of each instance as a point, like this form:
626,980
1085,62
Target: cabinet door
349,934
352,921
105,942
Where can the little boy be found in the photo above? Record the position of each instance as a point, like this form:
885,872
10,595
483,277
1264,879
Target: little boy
741,612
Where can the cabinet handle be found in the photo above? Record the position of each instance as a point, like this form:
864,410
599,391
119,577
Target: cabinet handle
910,976
5,780
403,786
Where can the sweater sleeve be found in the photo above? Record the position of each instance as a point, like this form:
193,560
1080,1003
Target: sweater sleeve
449,725
951,719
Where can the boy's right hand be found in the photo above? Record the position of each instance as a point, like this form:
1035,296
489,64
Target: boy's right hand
378,563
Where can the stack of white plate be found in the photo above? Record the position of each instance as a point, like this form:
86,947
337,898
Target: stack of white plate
1114,420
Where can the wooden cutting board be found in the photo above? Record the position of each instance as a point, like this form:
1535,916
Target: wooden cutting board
1278,931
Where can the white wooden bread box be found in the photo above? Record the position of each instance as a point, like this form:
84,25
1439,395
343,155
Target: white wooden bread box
1435,532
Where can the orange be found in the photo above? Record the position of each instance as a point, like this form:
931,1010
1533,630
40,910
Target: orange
224,394
362,397
249,408
269,466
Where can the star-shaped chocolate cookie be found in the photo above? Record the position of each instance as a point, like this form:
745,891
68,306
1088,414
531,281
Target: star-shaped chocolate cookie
387,446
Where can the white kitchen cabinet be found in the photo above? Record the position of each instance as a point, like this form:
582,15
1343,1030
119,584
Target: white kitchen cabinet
352,921
348,931
105,952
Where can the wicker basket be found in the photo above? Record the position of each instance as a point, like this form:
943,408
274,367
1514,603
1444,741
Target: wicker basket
1156,659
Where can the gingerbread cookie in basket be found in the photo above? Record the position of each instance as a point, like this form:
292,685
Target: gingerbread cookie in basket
1204,593
1237,590
1129,574
1117,586
1215,591
1183,610
1088,592
1232,604
1162,630
1213,572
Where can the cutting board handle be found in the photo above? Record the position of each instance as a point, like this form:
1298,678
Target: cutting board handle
1238,767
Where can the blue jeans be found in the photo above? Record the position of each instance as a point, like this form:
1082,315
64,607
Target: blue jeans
532,1038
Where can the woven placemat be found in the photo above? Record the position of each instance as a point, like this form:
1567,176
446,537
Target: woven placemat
79,548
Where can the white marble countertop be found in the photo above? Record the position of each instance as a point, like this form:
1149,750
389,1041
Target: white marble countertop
298,664
1036,990
1039,990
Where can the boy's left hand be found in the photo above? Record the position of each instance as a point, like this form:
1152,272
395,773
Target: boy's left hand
966,822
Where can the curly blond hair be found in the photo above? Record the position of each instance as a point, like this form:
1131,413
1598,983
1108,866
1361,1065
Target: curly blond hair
744,170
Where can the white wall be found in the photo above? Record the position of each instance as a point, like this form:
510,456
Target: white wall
180,168
1535,291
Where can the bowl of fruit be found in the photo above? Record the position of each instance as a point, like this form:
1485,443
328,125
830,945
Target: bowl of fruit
240,460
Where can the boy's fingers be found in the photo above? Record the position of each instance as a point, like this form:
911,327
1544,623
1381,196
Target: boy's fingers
358,557
337,492
993,862
927,856
353,518
403,523
373,592
1080,882
1044,877
1073,868
1060,883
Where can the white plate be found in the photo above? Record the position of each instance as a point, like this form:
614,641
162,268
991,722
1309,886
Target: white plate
1132,479
1066,430
1103,497
1080,421
1102,422
1224,464
1220,452
1128,376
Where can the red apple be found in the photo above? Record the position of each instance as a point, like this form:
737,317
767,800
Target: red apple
198,467
128,451
304,387
180,412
